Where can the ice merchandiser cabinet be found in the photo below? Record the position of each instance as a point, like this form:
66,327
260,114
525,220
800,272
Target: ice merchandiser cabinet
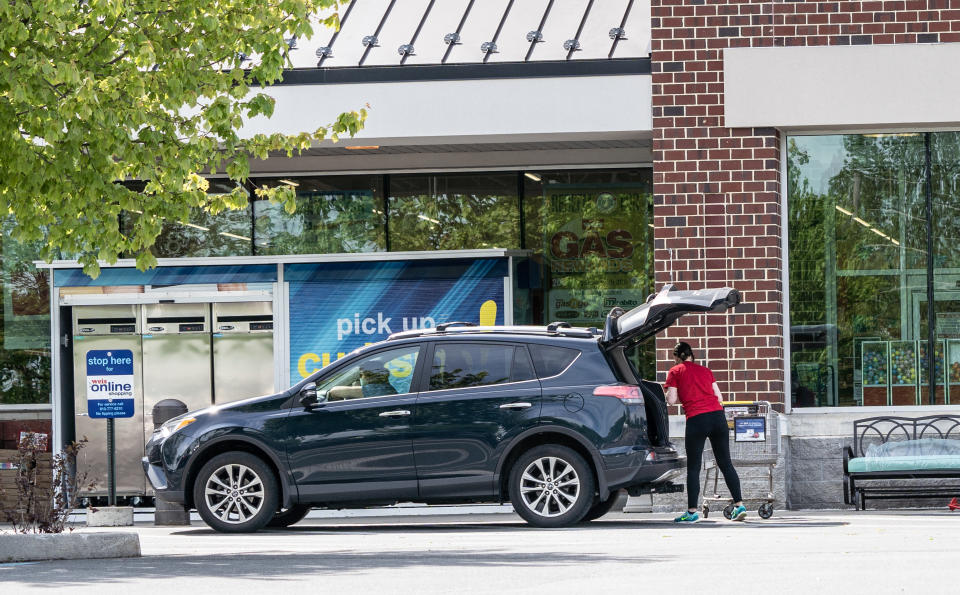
242,350
108,328
176,358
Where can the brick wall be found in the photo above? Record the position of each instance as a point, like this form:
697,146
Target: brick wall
717,190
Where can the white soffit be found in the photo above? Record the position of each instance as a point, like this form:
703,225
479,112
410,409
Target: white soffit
850,87
455,110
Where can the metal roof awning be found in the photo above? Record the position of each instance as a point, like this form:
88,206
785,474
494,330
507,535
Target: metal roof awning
420,32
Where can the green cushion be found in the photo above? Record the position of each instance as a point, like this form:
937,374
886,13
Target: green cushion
921,463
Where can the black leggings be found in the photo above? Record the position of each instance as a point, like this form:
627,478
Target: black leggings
712,425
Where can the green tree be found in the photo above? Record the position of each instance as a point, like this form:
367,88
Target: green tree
96,92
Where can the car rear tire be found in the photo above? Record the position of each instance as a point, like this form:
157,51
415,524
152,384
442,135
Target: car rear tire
289,516
236,492
601,508
551,486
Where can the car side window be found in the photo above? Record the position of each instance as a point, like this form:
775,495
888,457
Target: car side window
550,361
384,373
460,365
522,367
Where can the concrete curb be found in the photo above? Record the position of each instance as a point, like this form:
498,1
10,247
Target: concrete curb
20,547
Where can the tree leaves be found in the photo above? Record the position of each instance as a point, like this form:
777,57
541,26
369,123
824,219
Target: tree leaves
96,93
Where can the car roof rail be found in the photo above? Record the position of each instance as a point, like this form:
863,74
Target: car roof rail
564,329
445,325
553,326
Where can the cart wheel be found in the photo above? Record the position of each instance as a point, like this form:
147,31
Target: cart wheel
728,511
765,511
706,511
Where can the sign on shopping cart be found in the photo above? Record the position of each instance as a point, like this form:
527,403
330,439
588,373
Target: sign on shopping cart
749,428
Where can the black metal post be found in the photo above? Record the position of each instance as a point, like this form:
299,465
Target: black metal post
931,309
111,464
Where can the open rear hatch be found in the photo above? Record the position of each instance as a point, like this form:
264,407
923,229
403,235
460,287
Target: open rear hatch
661,310
623,329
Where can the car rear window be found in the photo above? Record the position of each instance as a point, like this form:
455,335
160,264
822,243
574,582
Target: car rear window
550,361
522,368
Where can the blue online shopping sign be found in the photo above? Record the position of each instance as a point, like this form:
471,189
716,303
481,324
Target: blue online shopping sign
110,383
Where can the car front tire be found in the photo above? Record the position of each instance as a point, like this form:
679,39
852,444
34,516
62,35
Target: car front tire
551,486
236,492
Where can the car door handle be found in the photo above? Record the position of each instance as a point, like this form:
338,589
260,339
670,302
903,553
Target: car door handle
395,413
519,405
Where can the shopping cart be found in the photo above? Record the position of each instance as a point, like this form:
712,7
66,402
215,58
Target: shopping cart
754,442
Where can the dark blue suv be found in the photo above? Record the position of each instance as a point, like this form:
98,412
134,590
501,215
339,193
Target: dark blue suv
554,419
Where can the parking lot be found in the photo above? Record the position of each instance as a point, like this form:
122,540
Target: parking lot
487,552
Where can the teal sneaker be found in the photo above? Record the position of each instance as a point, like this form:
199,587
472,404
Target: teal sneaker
739,513
687,517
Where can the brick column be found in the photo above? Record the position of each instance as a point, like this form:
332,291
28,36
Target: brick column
716,199
717,190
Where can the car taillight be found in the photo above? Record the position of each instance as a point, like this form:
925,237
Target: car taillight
628,393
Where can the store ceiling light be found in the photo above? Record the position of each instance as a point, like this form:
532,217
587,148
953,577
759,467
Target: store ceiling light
534,177
235,236
884,135
425,218
288,182
844,211
868,226
196,226
362,147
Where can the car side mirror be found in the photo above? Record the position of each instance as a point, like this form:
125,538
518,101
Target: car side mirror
309,397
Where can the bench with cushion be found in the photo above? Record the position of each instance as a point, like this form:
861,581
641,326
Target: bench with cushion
902,458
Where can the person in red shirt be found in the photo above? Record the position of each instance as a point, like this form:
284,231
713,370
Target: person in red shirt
694,387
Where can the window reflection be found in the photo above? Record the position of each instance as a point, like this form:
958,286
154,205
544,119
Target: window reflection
25,348
454,211
227,233
334,214
859,268
592,233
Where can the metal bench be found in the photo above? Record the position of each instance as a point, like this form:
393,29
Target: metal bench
905,477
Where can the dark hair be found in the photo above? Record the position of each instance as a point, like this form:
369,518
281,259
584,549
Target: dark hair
683,351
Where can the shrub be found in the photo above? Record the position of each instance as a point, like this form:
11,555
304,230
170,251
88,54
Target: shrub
41,506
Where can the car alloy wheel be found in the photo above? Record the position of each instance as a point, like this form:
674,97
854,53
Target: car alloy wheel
236,492
551,486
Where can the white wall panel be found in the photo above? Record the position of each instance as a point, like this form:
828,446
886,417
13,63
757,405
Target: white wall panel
455,110
856,87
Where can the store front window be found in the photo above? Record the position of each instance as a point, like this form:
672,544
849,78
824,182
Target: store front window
334,214
454,211
25,350
227,233
592,233
863,269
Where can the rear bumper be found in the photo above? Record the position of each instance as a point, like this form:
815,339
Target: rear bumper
648,468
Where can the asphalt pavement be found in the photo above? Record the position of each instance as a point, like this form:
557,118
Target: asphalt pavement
491,550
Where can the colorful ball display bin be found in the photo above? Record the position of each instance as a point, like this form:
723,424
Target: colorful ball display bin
953,371
903,372
874,358
941,390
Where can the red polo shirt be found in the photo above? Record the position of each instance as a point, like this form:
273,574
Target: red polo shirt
694,384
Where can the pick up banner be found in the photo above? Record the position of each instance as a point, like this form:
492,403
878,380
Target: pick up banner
338,307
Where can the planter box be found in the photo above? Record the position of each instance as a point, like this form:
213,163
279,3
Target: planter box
8,476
